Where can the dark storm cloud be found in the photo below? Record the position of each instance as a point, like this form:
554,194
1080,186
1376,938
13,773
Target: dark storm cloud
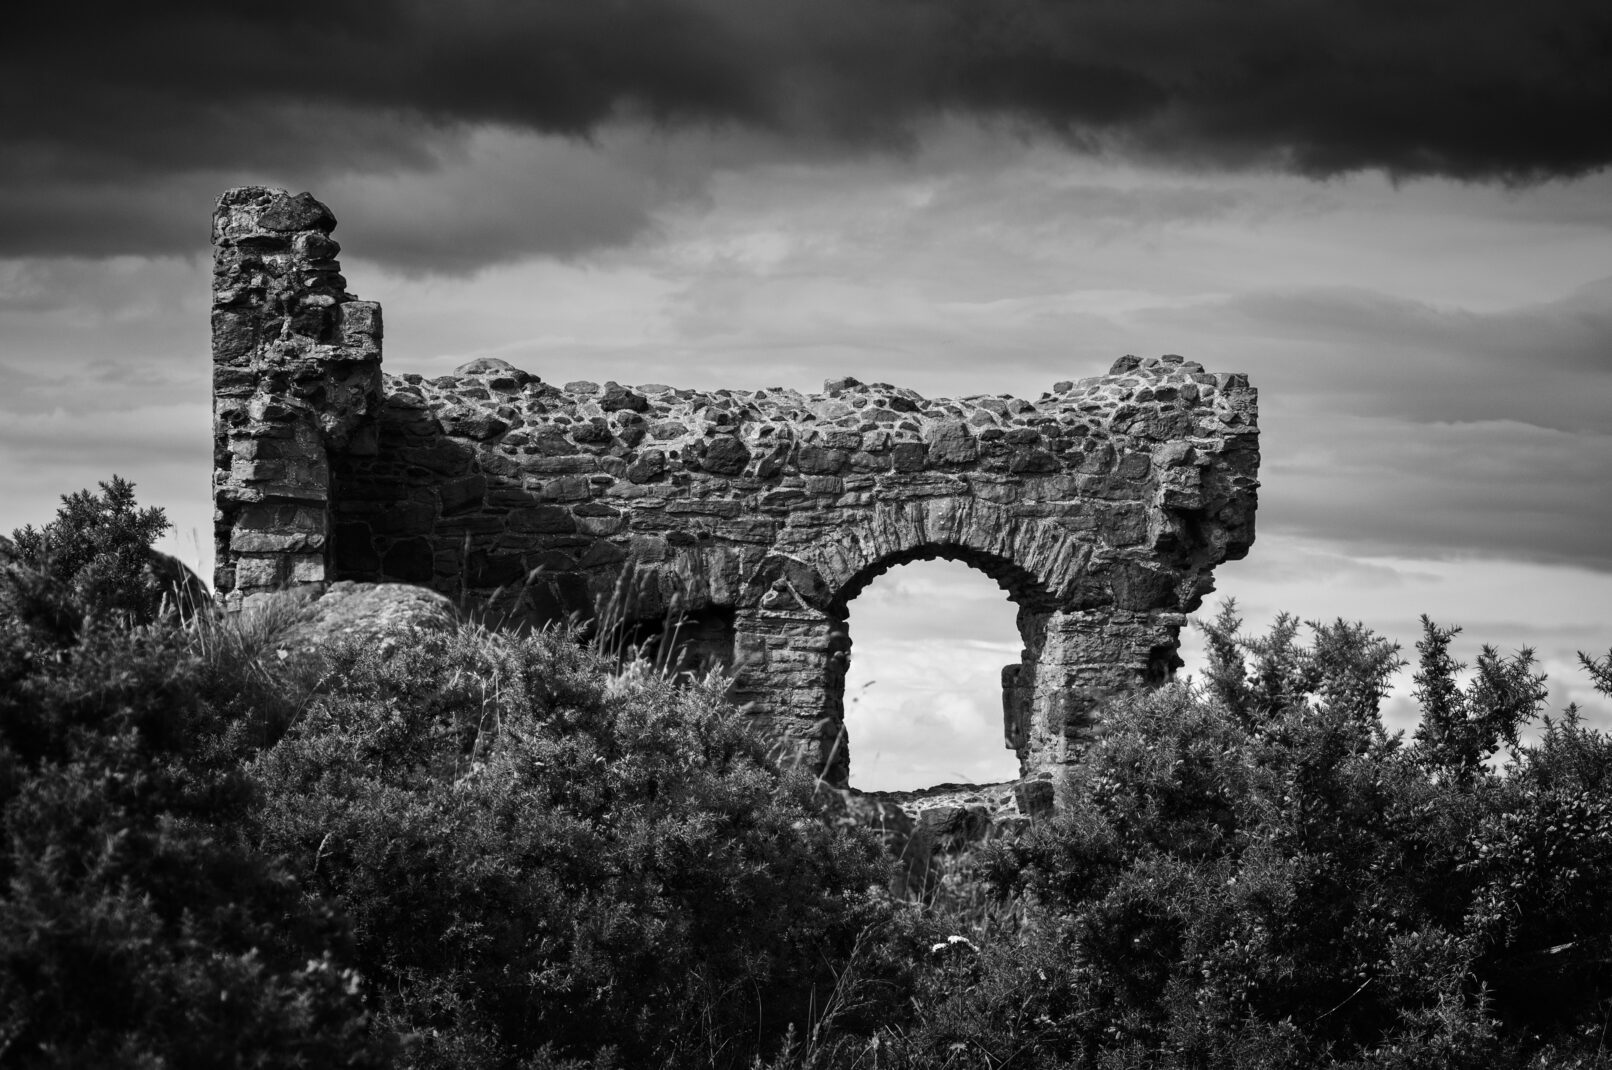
135,95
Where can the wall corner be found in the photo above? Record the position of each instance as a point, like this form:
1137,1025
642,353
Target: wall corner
296,374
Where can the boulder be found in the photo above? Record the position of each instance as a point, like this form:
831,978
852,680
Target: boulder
183,591
379,615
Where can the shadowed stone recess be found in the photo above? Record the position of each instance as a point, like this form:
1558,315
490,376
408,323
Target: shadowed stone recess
1101,507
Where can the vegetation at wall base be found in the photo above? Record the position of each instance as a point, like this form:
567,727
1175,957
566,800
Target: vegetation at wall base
483,849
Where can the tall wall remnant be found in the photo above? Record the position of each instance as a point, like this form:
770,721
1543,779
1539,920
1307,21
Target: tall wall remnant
1102,507
296,381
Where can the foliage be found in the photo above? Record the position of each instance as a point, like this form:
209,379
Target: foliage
534,852
1460,729
93,559
137,926
1258,874
483,849
1343,676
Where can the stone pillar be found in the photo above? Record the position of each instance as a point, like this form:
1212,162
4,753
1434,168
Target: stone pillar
296,374
1016,706
788,662
1074,661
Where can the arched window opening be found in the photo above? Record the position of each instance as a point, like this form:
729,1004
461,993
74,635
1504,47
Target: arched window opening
923,691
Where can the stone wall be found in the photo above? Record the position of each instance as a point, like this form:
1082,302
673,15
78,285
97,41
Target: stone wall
296,379
754,516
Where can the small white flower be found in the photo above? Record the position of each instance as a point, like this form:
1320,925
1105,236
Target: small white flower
952,941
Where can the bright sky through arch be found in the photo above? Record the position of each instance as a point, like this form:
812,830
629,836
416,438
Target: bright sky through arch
923,696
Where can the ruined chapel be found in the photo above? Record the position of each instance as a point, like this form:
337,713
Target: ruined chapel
751,516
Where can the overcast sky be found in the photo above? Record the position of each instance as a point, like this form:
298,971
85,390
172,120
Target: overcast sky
1397,218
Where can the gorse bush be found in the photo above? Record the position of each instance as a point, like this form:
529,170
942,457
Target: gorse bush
94,560
139,925
1258,874
1227,897
483,849
534,853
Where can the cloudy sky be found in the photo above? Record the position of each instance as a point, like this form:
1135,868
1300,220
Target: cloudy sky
1397,218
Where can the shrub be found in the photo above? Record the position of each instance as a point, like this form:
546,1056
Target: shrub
94,559
539,855
486,849
1461,729
1259,875
138,927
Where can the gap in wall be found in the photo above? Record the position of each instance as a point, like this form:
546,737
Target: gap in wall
923,694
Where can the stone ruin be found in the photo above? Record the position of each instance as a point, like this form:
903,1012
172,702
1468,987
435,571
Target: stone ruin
751,516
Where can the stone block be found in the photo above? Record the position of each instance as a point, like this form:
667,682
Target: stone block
543,519
568,464
235,339
1032,462
601,554
593,432
360,326
617,398
600,526
263,542
1034,798
908,456
257,571
862,461
306,568
563,489
950,442
725,455
462,421
817,460
300,212
463,494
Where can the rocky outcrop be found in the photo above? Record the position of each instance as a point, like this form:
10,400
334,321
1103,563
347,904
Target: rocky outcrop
375,616
1101,506
182,591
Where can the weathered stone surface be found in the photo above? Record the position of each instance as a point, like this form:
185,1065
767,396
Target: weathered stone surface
302,212
380,616
183,592
296,374
950,442
950,819
1102,506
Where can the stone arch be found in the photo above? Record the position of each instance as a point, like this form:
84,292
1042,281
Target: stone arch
1023,594
1022,586
1103,505
1027,590
1041,560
